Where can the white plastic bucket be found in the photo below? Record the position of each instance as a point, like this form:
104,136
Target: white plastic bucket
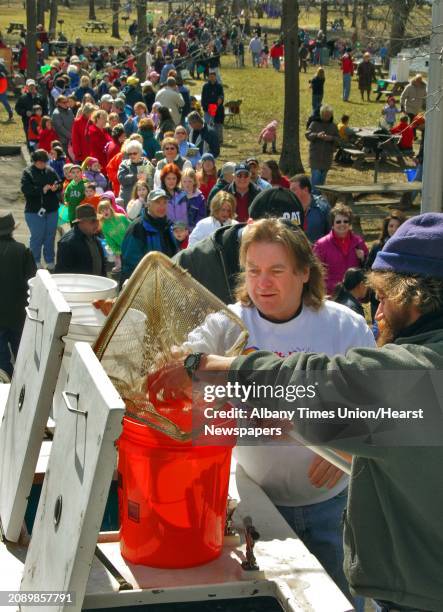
83,287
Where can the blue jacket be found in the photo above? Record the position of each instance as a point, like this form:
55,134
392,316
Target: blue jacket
142,238
317,219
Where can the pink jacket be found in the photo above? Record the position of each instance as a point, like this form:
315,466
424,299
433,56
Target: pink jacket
335,262
269,133
109,195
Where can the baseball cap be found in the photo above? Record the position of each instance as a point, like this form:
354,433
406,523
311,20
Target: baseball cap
252,160
243,167
277,202
30,82
180,225
227,168
132,80
207,157
156,194
107,98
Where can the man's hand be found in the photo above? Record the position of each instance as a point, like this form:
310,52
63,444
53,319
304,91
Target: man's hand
46,188
322,473
171,382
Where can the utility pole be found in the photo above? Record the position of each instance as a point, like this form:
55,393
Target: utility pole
432,200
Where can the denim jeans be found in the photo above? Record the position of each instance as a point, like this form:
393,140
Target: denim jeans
276,63
319,527
5,102
346,86
9,342
316,102
256,59
43,231
318,177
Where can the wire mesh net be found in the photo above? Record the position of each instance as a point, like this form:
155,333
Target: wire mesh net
160,307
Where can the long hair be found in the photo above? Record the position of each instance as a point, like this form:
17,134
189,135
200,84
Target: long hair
294,240
397,215
276,175
173,169
425,293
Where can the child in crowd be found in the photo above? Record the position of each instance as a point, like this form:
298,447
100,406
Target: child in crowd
346,133
170,177
113,226
91,195
390,112
181,233
406,134
75,191
113,120
155,115
138,199
207,176
117,206
34,127
317,86
91,172
57,160
268,135
47,134
151,145
195,199
67,174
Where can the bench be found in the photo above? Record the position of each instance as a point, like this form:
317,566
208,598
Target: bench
96,26
391,203
15,26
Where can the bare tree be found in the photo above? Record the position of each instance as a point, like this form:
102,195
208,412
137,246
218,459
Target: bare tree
400,12
31,38
41,5
364,15
324,16
115,21
290,160
92,15
53,13
142,30
354,14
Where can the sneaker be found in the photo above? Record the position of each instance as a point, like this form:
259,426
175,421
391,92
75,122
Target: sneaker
50,267
39,266
116,269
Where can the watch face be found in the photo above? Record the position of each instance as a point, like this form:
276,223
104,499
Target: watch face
191,361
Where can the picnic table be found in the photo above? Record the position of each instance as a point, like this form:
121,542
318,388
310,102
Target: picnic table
15,26
388,87
96,26
394,194
58,46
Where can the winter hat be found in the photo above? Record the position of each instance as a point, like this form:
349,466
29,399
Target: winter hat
277,202
207,157
415,248
7,223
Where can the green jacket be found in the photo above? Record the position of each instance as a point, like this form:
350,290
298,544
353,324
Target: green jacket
114,230
393,530
74,195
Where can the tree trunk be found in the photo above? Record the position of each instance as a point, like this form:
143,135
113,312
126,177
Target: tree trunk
92,10
53,13
400,11
354,14
31,38
324,16
41,5
142,30
364,15
219,8
236,8
115,21
290,160
346,8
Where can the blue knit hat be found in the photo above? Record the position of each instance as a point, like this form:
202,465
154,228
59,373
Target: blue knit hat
415,248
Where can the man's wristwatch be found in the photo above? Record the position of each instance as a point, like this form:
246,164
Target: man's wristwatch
192,363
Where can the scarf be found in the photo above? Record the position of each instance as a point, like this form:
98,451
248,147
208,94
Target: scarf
344,244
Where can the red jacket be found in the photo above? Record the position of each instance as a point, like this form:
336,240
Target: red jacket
34,127
407,135
277,51
347,65
96,142
45,138
112,170
79,139
112,149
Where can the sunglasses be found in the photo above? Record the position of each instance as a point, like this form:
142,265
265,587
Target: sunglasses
133,153
242,175
345,221
169,149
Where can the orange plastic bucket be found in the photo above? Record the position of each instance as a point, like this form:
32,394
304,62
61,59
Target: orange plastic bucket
172,496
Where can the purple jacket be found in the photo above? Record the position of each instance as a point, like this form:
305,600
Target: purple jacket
336,263
196,208
178,207
96,177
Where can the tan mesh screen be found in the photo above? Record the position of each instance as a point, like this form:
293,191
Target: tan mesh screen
159,307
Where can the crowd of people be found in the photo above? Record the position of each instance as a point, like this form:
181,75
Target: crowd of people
121,168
